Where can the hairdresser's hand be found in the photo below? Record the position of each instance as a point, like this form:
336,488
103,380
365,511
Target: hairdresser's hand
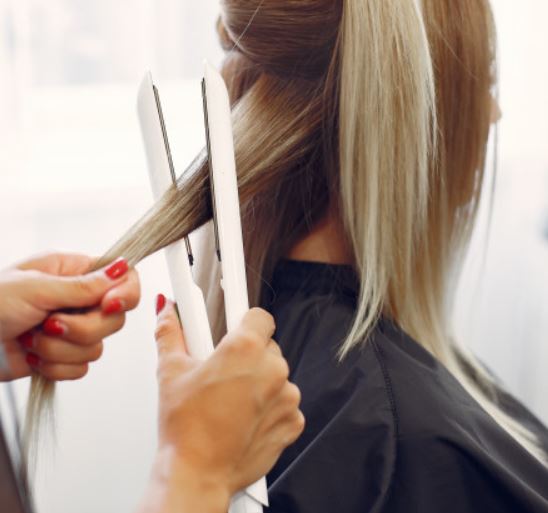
223,422
36,336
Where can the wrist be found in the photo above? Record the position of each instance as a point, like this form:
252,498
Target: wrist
177,487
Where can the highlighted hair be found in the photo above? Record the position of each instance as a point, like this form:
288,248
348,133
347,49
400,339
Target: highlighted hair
377,108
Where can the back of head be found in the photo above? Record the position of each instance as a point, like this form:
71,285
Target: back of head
380,110
376,109
362,93
284,38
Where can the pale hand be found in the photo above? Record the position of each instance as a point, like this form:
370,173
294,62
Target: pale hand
224,422
37,336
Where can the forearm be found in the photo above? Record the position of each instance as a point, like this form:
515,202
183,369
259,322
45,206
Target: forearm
174,488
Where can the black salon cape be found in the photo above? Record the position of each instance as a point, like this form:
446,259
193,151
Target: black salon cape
388,429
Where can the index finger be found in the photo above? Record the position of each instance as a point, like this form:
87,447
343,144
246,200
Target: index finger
260,322
169,335
123,297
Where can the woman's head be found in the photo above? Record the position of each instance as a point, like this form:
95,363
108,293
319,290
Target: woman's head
286,38
378,108
387,104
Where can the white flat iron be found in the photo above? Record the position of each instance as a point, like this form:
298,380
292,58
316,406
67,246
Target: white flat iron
228,229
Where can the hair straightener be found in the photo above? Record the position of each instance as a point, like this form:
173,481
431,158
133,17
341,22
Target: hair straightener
228,229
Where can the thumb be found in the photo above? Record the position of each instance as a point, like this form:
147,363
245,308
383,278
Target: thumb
170,341
79,291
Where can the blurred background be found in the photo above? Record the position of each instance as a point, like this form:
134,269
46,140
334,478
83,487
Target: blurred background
73,177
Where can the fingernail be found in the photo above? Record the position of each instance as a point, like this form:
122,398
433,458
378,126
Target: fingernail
114,306
54,328
27,340
33,360
117,269
160,303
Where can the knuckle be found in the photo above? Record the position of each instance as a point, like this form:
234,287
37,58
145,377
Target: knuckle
118,323
164,328
246,341
52,372
294,428
262,313
252,341
64,373
39,283
84,334
32,275
228,349
265,317
169,366
275,348
96,352
293,395
277,376
84,286
53,256
45,348
281,370
135,290
269,318
80,371
299,423
49,372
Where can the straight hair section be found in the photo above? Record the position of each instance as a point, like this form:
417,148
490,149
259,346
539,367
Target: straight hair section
378,110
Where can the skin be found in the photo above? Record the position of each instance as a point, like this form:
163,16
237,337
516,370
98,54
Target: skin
326,243
197,467
31,290
223,423
244,414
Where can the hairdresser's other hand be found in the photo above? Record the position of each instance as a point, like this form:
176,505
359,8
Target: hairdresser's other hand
37,335
223,422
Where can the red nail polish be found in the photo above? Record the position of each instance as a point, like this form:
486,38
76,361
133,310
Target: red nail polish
54,328
33,360
160,303
113,307
117,269
27,340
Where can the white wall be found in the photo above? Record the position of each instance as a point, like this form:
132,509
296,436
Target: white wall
503,305
73,177
85,184
76,180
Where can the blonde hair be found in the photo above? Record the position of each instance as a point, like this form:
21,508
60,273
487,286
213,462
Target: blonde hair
380,108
